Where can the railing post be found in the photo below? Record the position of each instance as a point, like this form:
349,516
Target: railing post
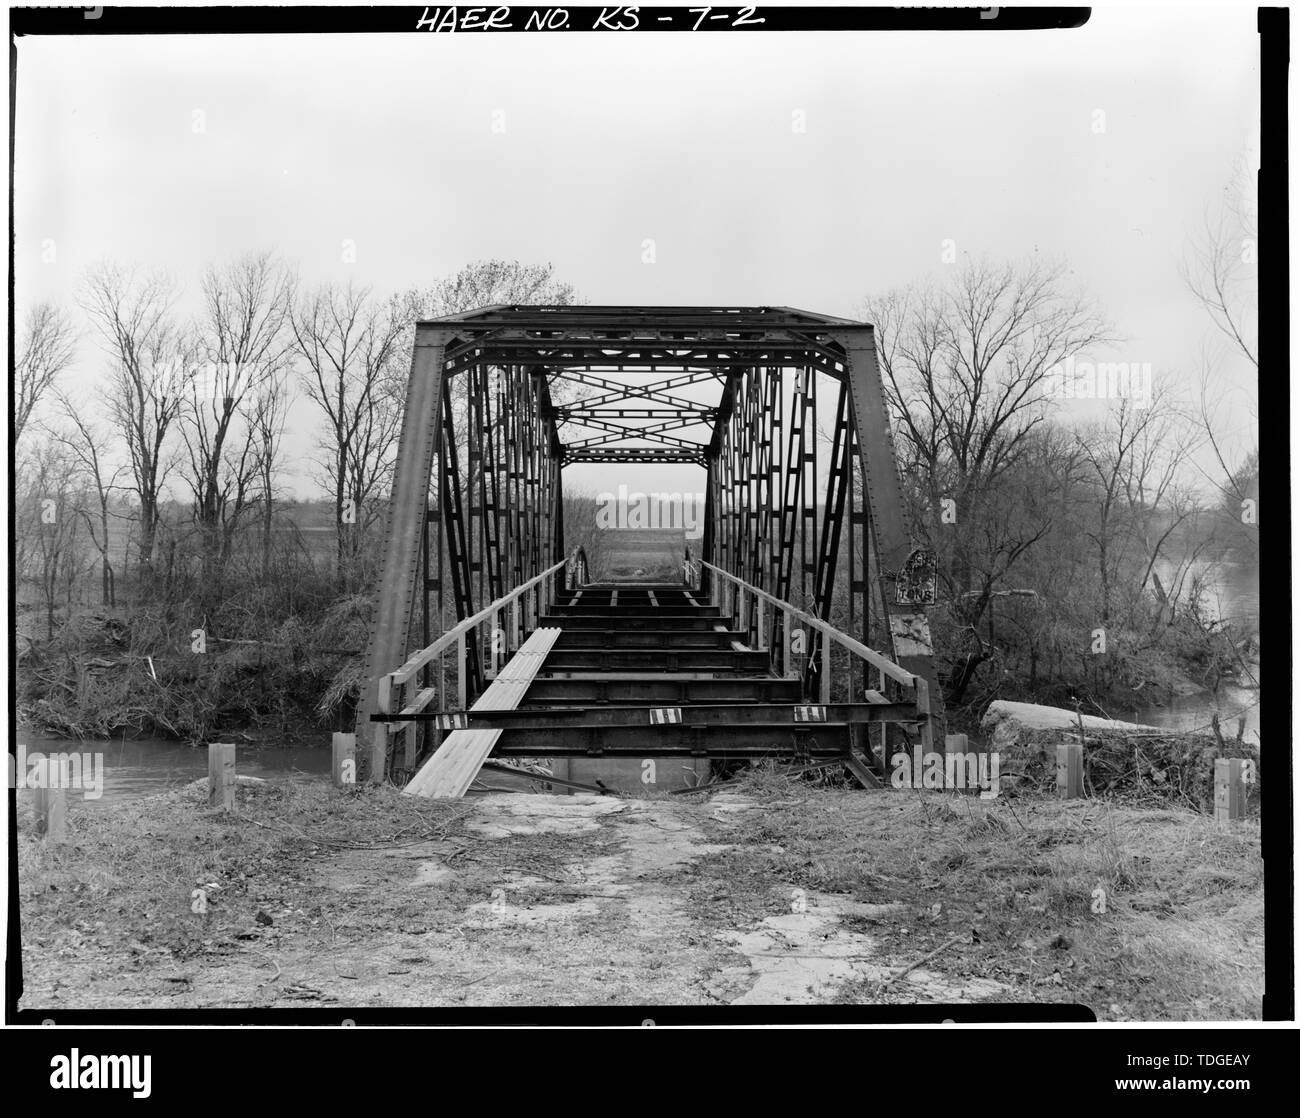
397,701
923,705
1069,770
496,631
825,682
221,775
51,805
479,650
884,726
344,767
1229,789
790,666
462,674
442,695
379,731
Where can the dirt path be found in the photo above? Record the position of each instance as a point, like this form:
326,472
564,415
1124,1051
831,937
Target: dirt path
541,900
771,893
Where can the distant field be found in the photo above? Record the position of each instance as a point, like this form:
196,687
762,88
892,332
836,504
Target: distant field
313,523
624,553
643,553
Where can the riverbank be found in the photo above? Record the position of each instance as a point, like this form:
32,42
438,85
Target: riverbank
772,891
114,676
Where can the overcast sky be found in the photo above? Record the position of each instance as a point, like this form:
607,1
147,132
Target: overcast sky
911,139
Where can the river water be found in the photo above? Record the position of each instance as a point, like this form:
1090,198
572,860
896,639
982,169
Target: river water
1232,596
144,766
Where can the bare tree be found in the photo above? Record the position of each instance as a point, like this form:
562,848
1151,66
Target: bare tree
1219,267
47,526
489,282
968,369
267,419
485,283
48,346
348,342
131,313
242,337
581,509
87,443
1134,462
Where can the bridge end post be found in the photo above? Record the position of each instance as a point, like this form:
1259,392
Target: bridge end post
909,629
405,524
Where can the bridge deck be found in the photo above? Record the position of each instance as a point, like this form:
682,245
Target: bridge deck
598,684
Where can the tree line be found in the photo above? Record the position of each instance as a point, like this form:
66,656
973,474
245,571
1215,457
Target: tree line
199,405
151,460
1077,536
159,492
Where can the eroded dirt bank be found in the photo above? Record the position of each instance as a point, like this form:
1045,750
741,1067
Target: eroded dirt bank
775,892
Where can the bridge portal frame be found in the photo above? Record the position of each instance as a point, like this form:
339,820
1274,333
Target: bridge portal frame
474,540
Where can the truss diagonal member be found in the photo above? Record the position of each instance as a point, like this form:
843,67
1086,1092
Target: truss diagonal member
686,415
652,435
598,440
616,390
649,429
663,387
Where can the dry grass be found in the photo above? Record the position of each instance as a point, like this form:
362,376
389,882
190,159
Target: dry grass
125,880
1024,883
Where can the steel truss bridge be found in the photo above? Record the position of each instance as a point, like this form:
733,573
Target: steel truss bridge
491,639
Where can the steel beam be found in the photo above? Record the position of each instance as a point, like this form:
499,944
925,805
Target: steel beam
738,714
400,551
909,629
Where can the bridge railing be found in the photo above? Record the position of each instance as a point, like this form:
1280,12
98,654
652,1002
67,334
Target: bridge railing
772,626
577,575
521,610
691,571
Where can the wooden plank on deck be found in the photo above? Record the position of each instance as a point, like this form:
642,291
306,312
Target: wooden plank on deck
452,769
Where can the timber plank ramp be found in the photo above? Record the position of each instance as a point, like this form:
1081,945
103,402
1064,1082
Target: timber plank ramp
637,670
452,769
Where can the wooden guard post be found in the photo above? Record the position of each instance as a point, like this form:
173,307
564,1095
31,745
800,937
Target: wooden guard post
221,775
